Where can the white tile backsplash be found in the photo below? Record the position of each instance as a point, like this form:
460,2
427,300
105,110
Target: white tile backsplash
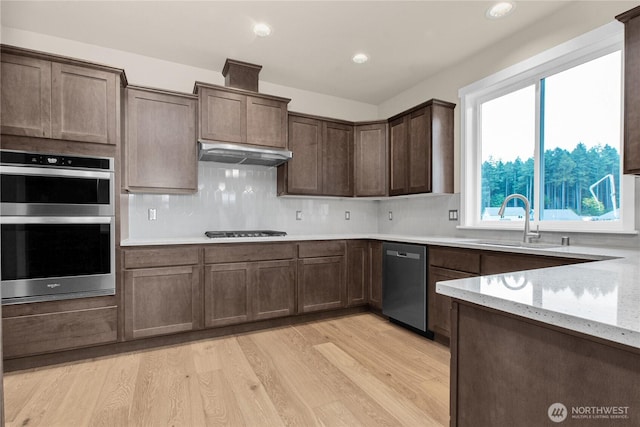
236,197
244,197
426,215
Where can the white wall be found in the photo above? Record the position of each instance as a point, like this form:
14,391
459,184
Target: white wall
567,23
147,71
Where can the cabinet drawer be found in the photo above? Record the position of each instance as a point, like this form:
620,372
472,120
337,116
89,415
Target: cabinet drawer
160,257
225,253
44,333
455,259
322,248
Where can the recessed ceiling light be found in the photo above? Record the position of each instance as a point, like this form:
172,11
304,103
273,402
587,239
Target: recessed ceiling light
261,29
500,10
360,58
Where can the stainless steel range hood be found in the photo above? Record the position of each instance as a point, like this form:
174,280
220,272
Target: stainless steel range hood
222,152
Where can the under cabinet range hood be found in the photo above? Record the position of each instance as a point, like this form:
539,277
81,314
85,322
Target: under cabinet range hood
222,152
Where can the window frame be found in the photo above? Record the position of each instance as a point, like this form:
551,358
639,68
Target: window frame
594,44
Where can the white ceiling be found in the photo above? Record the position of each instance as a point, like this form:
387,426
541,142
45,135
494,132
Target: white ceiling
311,44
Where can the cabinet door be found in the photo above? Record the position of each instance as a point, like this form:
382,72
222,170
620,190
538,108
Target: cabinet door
161,301
161,143
399,152
419,160
83,104
370,160
223,116
226,294
632,96
266,122
439,306
358,272
304,170
26,96
273,289
321,284
337,159
375,285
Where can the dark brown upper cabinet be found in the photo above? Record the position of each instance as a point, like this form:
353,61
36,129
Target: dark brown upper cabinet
26,96
303,173
371,159
322,162
160,151
239,116
48,96
421,149
337,159
631,150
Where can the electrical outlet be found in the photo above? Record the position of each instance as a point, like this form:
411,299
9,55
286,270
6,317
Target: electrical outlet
298,215
347,215
153,215
390,215
453,215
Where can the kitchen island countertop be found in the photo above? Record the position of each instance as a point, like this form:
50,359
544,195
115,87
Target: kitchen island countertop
600,299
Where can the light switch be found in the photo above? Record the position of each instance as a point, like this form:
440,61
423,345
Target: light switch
390,215
453,215
298,215
347,215
152,214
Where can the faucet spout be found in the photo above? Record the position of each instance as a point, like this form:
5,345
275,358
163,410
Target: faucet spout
527,235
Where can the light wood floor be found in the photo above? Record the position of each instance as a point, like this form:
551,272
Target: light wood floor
353,371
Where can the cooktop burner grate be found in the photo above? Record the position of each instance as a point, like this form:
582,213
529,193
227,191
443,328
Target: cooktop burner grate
244,233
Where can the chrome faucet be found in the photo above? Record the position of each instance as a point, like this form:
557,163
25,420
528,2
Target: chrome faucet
528,234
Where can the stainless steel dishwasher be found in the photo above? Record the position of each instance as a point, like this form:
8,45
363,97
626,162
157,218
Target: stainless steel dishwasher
404,285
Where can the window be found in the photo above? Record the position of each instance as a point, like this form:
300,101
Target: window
549,128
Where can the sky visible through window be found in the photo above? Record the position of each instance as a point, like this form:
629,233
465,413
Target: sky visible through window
577,111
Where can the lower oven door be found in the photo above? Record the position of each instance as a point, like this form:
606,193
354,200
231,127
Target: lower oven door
50,258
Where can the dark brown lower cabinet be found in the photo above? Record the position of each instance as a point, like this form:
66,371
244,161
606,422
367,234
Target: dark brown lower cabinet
375,283
49,332
321,284
161,301
439,306
245,291
455,263
358,272
446,264
508,371
274,289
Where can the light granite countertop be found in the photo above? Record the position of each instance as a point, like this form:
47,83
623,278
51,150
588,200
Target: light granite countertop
600,299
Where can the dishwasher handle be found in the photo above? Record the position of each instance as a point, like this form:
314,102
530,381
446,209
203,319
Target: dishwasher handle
399,254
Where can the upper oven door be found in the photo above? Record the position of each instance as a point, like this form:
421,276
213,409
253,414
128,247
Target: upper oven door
35,191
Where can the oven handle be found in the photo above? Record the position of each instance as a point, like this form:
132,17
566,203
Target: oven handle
16,170
57,220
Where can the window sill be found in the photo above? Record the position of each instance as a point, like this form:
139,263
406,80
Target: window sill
552,230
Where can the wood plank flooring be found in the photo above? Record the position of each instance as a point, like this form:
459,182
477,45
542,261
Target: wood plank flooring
357,370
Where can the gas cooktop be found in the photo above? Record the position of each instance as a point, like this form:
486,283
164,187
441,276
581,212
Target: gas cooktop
244,233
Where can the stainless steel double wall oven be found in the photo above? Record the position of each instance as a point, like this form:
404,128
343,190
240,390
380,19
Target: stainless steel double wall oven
58,226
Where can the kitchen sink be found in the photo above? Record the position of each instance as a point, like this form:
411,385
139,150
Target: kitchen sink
514,244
